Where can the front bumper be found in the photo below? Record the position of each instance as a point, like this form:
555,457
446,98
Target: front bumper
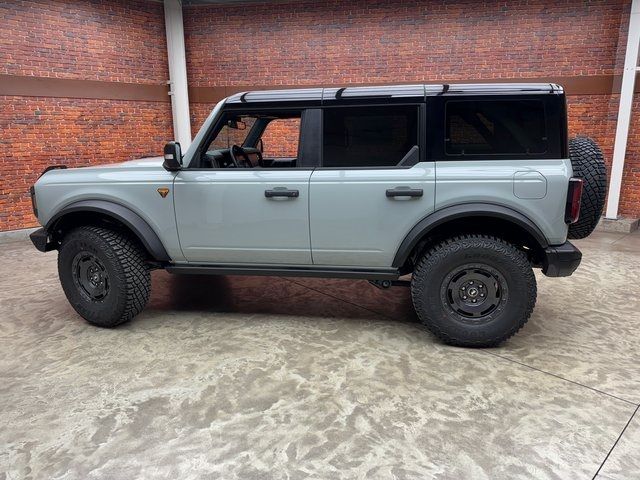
40,239
561,260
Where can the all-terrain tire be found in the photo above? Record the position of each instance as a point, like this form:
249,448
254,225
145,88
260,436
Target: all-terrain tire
588,164
104,275
486,264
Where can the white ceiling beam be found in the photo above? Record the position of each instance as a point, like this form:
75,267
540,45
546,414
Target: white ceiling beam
177,72
624,111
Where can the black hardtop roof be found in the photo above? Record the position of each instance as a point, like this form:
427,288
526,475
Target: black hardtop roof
349,94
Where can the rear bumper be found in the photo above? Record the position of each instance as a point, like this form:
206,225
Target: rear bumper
561,260
40,240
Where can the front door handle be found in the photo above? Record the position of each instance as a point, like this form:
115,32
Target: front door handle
404,192
282,192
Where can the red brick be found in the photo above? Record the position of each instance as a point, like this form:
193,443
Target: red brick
119,41
284,43
337,42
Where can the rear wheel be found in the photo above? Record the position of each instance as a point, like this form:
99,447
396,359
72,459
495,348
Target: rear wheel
473,290
104,275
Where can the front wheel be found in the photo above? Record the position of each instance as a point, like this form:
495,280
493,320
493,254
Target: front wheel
474,290
104,275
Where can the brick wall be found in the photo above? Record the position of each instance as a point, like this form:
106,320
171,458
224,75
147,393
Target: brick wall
281,137
121,41
199,112
387,41
37,132
630,195
295,43
337,42
115,41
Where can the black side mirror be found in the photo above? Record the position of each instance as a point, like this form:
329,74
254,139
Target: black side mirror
172,157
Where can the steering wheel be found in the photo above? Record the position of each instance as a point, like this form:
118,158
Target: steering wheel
237,151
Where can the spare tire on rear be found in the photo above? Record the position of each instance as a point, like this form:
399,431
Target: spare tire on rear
588,164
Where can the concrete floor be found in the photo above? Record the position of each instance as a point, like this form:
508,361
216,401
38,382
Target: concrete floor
261,378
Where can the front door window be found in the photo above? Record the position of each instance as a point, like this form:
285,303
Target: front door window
261,139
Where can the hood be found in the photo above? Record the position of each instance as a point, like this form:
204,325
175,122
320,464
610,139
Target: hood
137,163
108,172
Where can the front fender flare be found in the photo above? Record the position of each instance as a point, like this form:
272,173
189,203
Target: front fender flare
138,226
453,212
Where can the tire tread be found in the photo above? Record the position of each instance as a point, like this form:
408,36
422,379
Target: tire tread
588,164
133,277
438,253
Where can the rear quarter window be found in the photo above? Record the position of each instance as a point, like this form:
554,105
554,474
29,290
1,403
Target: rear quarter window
495,128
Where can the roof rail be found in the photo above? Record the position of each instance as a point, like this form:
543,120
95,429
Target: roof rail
500,88
382,91
261,96
337,94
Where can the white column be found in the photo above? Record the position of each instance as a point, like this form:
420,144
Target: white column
624,111
177,72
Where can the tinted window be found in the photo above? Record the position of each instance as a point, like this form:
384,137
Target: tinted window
369,136
495,127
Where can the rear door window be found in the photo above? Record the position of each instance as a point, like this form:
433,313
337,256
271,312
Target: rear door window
375,136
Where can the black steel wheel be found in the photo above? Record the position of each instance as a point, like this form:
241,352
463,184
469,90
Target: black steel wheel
473,290
104,275
90,276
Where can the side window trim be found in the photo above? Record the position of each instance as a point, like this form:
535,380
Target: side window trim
310,139
421,136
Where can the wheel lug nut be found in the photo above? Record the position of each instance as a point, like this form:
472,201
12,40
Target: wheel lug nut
464,288
464,297
482,294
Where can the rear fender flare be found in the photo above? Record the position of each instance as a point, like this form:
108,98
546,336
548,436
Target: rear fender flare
440,217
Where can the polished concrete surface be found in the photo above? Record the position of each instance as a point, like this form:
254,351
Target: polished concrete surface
273,378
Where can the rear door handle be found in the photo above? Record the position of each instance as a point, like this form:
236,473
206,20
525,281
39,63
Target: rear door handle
282,192
404,192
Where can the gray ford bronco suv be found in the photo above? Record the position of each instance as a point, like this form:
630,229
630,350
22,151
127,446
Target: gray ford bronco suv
467,188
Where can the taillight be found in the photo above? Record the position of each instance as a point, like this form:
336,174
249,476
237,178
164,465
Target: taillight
574,198
32,192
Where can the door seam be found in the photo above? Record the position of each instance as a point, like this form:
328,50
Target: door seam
309,215
175,215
